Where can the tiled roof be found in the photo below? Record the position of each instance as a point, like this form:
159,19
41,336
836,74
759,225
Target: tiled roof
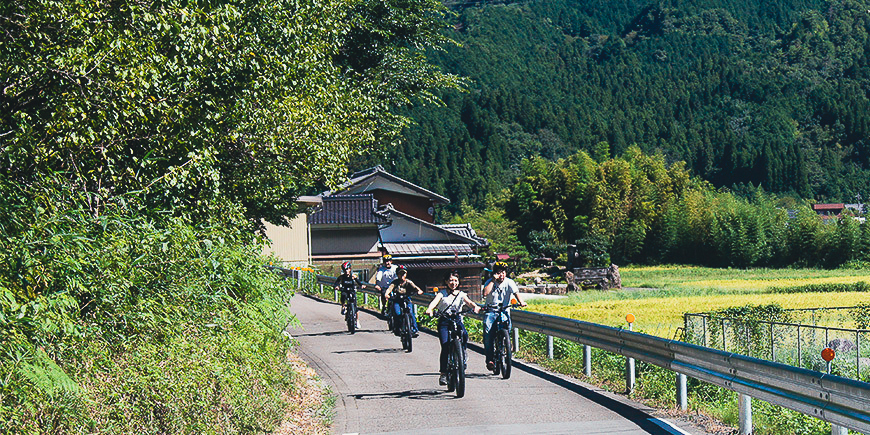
466,231
348,210
828,206
428,248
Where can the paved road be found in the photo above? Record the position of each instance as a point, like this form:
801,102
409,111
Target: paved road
382,389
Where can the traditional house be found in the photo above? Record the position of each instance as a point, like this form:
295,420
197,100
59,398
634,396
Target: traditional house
377,213
347,228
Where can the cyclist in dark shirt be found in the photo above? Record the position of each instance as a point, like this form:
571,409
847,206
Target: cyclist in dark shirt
346,284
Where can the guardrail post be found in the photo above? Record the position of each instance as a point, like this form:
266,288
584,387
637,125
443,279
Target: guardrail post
335,291
744,408
682,396
629,362
516,339
298,279
321,288
550,346
587,360
365,298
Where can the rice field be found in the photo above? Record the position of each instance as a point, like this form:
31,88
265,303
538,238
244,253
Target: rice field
659,296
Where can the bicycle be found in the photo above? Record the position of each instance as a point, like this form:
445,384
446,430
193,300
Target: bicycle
350,310
403,329
502,341
456,354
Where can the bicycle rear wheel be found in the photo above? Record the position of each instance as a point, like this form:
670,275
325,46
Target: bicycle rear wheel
504,360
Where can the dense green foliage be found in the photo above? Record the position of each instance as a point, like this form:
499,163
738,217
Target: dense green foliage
650,212
141,143
207,104
770,94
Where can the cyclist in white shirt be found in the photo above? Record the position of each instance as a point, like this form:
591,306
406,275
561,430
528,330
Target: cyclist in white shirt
450,298
384,276
497,292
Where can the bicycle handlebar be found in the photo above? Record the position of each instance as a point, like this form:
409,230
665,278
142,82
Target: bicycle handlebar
452,313
502,308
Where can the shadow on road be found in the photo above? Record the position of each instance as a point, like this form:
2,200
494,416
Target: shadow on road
636,416
387,350
327,334
409,394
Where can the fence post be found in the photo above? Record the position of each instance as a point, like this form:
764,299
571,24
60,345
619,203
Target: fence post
298,279
516,339
335,291
587,360
682,396
365,298
799,361
704,320
772,345
857,354
744,408
550,346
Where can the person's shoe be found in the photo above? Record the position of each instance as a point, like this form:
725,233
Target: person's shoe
415,334
357,325
490,365
442,380
343,310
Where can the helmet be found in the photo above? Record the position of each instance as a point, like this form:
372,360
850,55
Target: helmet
345,266
387,257
499,266
401,269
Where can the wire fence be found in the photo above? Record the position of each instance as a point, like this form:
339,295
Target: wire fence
798,341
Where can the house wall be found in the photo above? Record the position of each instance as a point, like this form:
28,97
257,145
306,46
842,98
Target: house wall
344,241
404,230
289,244
413,205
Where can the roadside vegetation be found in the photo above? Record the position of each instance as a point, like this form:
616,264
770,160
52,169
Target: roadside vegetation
142,145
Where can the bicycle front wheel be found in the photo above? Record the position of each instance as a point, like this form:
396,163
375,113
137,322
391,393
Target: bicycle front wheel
407,341
350,317
504,360
459,368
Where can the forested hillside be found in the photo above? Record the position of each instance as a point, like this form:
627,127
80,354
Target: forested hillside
772,93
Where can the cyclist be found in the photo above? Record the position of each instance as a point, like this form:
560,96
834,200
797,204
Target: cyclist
402,286
450,298
497,292
385,275
347,283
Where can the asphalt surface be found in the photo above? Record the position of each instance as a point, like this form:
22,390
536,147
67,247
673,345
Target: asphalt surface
380,388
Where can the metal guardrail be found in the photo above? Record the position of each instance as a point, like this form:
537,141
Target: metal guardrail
840,401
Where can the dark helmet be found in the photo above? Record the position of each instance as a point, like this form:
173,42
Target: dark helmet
453,272
345,266
401,269
499,266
